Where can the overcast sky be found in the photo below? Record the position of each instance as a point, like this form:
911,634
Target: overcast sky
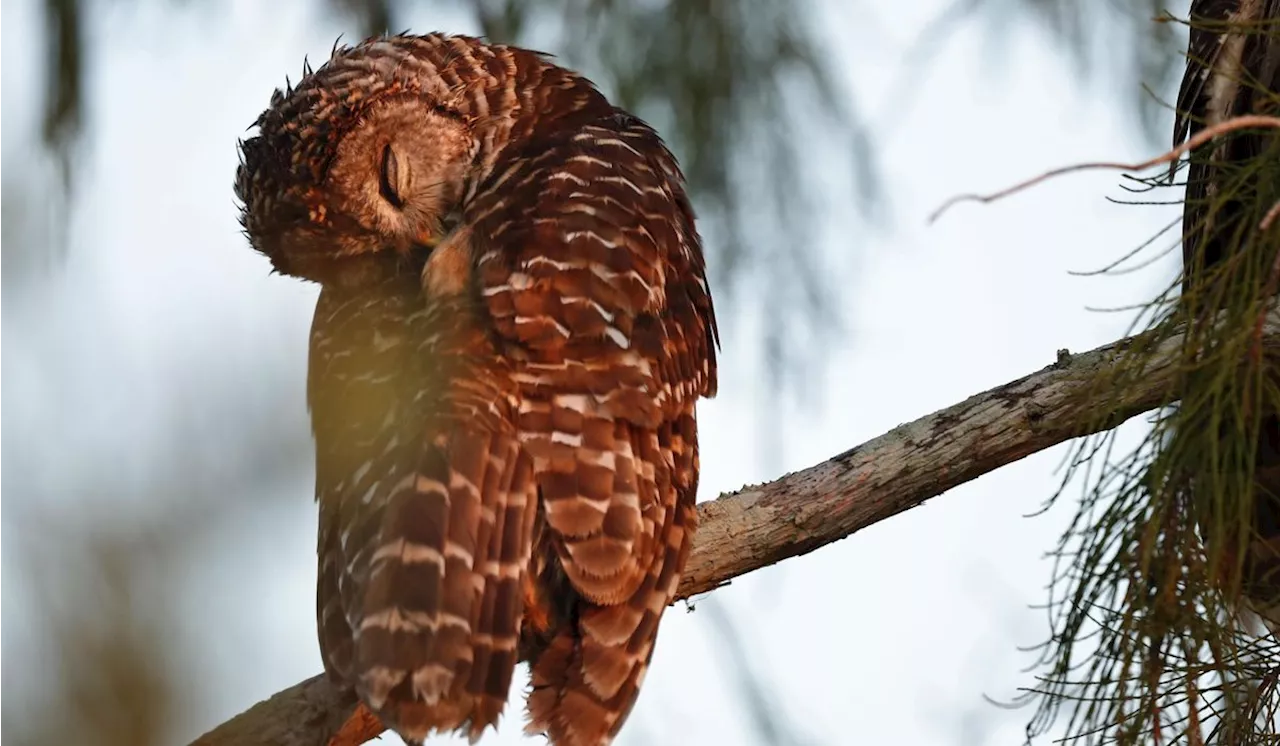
160,335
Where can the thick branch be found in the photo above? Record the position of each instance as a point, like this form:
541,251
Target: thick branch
758,526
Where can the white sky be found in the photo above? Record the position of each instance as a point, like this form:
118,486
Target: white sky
162,333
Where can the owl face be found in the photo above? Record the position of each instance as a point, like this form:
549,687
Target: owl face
343,186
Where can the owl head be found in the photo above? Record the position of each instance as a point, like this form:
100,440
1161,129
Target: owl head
361,166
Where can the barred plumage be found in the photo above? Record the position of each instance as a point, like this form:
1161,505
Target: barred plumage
513,331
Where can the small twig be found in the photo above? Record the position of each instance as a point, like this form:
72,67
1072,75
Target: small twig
1193,712
1201,138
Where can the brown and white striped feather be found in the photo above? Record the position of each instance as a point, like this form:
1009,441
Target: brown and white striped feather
427,510
591,268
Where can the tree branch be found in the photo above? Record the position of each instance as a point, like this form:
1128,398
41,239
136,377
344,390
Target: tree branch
759,526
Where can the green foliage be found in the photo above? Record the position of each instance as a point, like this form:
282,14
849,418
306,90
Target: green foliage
64,107
1148,646
1113,42
1127,49
1153,637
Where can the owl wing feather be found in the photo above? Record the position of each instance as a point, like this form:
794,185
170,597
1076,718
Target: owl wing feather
437,646
427,509
588,261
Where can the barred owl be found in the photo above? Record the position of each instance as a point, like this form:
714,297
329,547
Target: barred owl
1233,69
513,328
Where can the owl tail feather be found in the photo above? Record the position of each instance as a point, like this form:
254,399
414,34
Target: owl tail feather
582,688
436,647
585,682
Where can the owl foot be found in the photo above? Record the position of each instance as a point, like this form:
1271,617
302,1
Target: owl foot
363,726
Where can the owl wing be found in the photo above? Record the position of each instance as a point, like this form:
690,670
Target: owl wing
590,266
427,506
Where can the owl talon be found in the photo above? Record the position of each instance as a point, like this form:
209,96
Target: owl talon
363,726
